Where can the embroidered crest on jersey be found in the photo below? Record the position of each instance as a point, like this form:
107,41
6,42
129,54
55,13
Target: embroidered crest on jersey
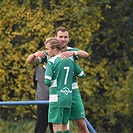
65,90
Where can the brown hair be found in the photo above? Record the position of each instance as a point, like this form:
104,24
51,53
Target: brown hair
63,29
54,43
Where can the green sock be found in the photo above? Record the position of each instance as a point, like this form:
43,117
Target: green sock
67,131
59,132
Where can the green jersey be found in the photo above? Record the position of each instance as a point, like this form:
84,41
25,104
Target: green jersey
74,83
59,77
47,57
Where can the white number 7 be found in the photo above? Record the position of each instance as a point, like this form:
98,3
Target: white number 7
67,71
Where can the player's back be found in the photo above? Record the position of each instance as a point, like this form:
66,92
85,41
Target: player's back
63,71
62,79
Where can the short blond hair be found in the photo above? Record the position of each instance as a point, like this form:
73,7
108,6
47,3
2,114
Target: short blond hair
54,43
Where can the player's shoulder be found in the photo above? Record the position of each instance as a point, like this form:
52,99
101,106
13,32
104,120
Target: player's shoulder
53,59
72,49
71,58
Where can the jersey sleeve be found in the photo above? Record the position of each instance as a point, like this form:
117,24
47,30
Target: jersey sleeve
78,70
48,73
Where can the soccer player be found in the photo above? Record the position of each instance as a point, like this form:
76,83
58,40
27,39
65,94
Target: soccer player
59,78
77,109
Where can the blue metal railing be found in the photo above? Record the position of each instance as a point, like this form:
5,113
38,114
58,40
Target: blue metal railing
9,103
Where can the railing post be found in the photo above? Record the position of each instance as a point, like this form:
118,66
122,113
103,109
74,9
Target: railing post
92,130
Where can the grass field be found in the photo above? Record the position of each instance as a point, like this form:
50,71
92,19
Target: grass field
25,126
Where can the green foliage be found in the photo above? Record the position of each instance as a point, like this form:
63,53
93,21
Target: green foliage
107,84
25,125
11,126
102,28
24,27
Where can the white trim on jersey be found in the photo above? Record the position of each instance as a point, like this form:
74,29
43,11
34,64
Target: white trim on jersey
54,83
53,98
81,74
74,85
48,77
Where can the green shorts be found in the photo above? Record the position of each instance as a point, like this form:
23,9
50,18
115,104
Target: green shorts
77,109
58,115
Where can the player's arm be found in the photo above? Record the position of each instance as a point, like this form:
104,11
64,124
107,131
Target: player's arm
47,82
78,71
48,74
79,53
36,57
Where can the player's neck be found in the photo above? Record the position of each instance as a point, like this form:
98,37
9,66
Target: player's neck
64,49
58,53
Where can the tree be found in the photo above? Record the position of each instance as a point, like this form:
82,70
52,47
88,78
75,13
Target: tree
111,60
103,28
24,27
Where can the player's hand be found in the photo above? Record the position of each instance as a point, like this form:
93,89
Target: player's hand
40,54
67,54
